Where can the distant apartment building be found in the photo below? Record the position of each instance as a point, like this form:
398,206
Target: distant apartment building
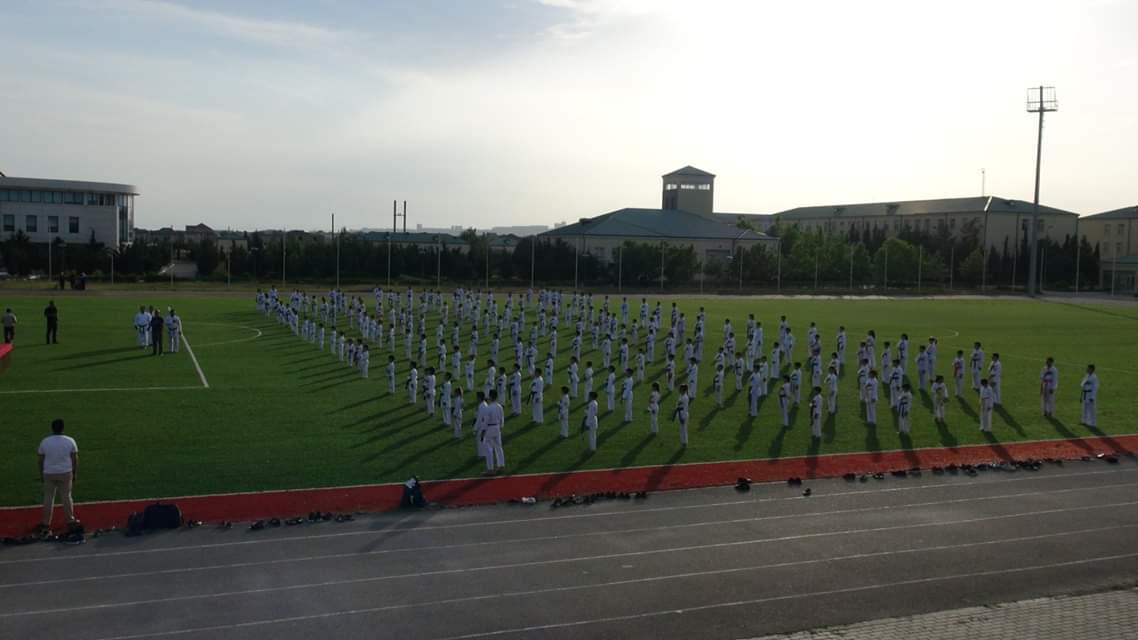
996,221
69,210
1115,233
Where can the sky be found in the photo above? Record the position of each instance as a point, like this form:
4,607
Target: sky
249,115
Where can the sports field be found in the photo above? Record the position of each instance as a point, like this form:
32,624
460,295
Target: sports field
277,413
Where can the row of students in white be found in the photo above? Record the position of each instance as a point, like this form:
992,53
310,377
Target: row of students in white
900,395
172,323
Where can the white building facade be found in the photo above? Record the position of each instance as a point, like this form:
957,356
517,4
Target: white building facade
70,210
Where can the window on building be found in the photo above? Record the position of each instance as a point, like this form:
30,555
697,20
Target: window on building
73,224
91,198
952,223
53,224
705,187
31,224
9,223
1118,249
57,197
687,187
1106,231
1121,229
671,187
37,196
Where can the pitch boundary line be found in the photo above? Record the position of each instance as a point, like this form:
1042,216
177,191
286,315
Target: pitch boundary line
224,342
101,389
198,367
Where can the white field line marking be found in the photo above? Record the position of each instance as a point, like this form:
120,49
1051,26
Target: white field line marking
541,519
238,565
257,331
201,376
794,596
601,585
98,389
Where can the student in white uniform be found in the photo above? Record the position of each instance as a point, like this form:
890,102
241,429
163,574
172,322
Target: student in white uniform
785,395
626,394
816,413
717,385
389,370
142,327
445,395
987,401
940,398
869,397
654,409
976,365
1048,386
796,383
1089,390
680,414
591,420
174,329
995,371
922,366
588,378
832,390
904,408
563,412
753,385
640,365
610,388
413,384
516,391
536,398
958,371
492,435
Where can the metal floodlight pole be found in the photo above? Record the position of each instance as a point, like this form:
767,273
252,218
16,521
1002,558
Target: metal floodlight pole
851,266
284,257
778,261
336,235
885,278
1078,255
1040,103
619,269
920,264
532,249
951,264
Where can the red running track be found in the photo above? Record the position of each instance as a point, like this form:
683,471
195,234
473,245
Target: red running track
383,497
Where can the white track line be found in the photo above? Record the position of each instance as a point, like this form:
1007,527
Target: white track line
224,324
201,376
602,585
543,519
99,390
241,565
794,596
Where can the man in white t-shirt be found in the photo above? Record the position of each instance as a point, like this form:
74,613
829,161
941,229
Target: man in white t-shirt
59,465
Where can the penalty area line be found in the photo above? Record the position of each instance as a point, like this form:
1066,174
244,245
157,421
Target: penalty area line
99,389
198,367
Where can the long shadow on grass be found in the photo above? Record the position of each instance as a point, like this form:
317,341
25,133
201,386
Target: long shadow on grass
1110,442
1009,419
402,465
610,432
872,442
1062,430
830,428
966,408
907,448
744,432
98,352
1000,450
947,438
100,363
631,455
775,448
656,478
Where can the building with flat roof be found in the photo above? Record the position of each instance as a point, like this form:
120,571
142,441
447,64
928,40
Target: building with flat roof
686,218
1115,233
995,220
71,210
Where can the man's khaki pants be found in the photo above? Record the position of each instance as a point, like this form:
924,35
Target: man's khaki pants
61,483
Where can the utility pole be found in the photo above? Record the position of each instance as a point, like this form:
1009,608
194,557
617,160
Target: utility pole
1039,100
336,235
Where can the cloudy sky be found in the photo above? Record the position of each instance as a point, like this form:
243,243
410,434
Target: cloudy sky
482,112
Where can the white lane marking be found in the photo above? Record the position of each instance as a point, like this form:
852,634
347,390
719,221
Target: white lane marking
615,583
542,519
198,367
540,562
99,390
795,596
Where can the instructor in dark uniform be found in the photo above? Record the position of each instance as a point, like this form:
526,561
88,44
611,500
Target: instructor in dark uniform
51,315
156,324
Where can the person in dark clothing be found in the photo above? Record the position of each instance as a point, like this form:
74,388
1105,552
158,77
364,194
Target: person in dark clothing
51,315
156,324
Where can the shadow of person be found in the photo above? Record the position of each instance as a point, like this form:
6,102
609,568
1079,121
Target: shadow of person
1009,419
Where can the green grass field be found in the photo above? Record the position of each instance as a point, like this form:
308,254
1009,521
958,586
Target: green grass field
280,414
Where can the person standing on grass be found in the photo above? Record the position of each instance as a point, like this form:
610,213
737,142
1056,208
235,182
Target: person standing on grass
156,325
1089,387
492,435
987,401
9,321
680,414
51,316
1048,385
59,467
